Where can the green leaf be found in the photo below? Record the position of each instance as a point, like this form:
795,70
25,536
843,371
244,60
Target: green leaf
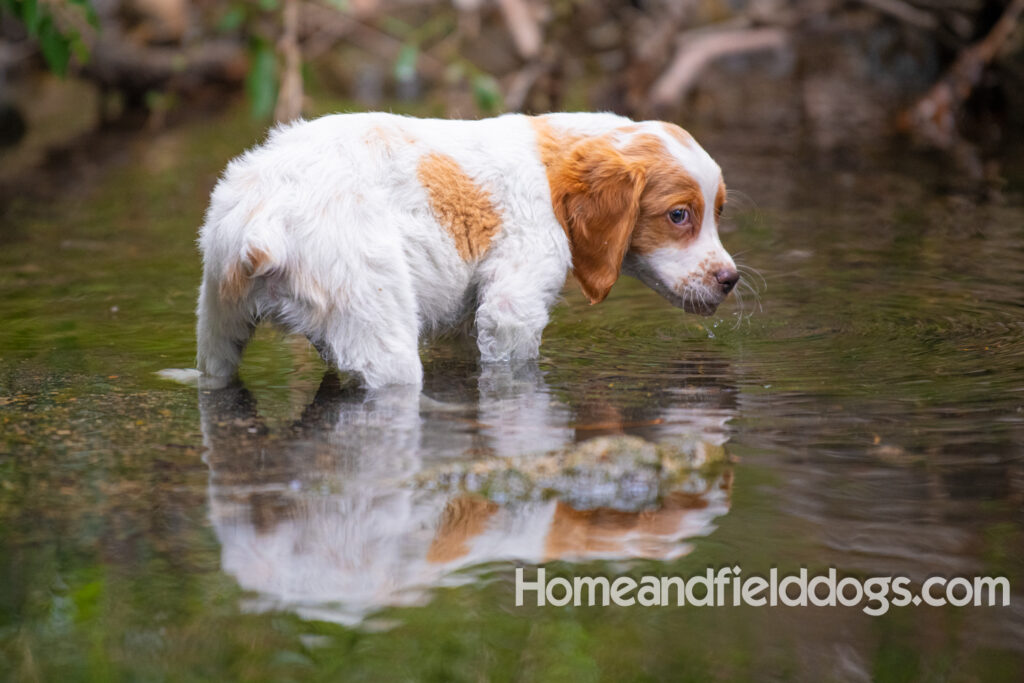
405,63
80,50
261,82
31,15
232,19
486,93
55,47
90,14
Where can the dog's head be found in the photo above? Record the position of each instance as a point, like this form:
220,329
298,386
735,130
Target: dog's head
644,199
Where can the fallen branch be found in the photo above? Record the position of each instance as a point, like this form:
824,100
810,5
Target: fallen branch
905,13
118,61
933,117
522,82
118,64
694,55
649,54
524,27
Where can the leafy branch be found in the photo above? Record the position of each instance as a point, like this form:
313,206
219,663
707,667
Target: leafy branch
61,27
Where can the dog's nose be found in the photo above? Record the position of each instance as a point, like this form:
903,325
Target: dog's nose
727,277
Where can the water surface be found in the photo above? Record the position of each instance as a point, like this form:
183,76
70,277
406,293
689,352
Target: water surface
863,410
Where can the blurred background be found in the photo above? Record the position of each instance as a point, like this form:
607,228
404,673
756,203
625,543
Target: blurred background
838,73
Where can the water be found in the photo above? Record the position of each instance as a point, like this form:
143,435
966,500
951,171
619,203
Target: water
864,411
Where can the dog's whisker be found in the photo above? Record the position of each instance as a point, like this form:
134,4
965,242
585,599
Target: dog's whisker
750,270
743,197
757,299
739,305
746,267
755,294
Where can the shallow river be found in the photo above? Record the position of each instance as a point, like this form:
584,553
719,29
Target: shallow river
862,409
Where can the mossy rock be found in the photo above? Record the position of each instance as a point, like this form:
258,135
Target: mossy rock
620,472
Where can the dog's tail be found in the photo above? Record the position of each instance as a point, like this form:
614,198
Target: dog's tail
239,245
259,250
253,261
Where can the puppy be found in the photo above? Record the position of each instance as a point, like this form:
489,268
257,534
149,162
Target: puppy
365,232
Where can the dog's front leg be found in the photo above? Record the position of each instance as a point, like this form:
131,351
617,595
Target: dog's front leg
512,311
509,330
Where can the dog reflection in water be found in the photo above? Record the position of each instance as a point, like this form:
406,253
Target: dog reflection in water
337,516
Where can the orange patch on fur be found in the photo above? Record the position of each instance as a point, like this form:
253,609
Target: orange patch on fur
461,206
238,277
720,199
389,138
684,138
464,518
551,143
234,284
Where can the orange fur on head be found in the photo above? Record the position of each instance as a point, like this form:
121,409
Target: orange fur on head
595,193
669,186
610,199
684,138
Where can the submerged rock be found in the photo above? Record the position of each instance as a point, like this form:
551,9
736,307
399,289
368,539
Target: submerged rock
619,472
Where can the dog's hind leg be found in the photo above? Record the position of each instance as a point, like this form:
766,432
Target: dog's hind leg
223,328
382,355
379,340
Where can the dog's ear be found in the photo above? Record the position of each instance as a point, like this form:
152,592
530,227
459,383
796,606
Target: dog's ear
597,200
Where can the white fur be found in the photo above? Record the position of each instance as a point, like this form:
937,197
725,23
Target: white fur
359,263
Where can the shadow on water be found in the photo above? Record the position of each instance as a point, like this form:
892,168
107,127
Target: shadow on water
371,499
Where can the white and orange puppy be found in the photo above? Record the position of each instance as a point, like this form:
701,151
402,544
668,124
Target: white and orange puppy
366,231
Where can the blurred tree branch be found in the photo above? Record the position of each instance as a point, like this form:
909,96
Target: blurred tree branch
694,55
524,26
933,116
289,97
905,12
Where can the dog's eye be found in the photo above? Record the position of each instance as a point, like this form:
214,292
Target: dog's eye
679,216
